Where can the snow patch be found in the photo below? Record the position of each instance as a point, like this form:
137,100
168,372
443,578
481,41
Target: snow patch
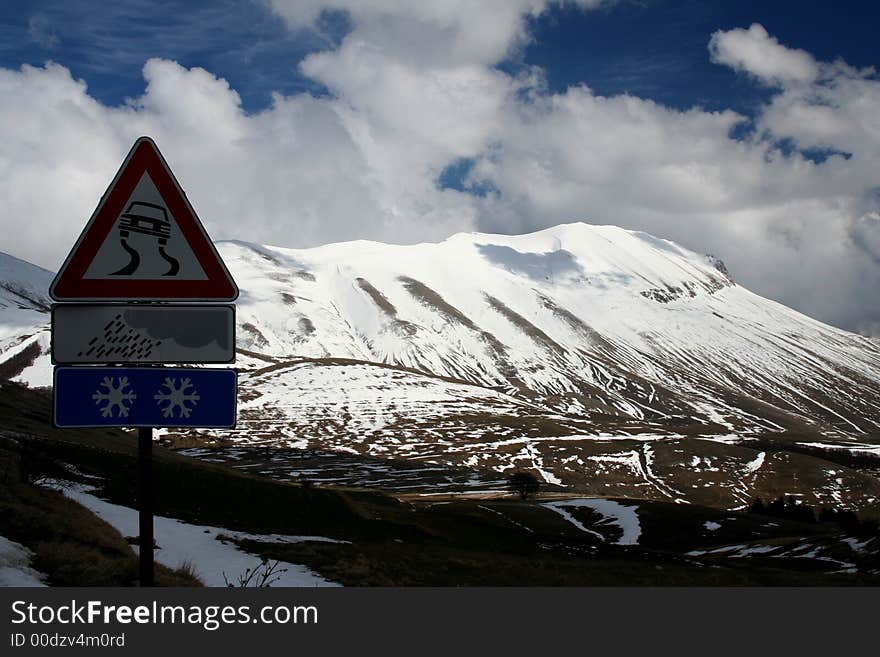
15,568
756,463
624,517
181,542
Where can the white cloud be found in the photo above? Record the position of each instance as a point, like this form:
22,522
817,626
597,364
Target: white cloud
434,33
426,119
413,89
446,32
781,223
297,172
866,234
754,51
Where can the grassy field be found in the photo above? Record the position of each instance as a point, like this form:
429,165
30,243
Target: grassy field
453,542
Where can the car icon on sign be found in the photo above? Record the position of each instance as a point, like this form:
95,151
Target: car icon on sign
146,218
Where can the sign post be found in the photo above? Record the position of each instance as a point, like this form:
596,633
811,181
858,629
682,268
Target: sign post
135,292
145,506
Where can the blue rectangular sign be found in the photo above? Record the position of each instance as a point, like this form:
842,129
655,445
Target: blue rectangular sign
144,397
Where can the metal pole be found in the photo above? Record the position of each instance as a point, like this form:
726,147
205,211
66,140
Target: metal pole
145,503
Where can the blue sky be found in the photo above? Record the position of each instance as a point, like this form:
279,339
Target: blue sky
107,43
750,130
650,48
657,48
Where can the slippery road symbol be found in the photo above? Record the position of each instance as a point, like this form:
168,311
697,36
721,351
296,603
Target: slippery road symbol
147,219
143,240
115,396
177,397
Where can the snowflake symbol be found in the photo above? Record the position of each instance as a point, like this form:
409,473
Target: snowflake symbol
177,397
115,396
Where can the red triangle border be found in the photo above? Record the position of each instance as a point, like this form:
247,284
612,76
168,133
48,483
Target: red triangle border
70,283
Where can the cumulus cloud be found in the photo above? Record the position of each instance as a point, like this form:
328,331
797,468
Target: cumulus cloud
295,173
413,89
865,233
756,52
426,33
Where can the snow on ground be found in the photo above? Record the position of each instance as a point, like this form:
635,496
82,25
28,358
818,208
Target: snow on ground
180,542
280,538
754,549
720,550
856,545
559,507
614,513
738,551
805,550
39,373
854,448
755,465
15,569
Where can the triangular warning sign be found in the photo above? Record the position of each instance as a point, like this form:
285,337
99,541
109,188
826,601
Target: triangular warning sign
144,242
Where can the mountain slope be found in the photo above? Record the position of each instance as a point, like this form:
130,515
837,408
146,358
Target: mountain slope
606,360
588,320
24,320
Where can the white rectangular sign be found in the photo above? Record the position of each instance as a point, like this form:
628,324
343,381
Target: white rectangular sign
138,333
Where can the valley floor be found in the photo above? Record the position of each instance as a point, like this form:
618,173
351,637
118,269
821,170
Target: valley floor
354,536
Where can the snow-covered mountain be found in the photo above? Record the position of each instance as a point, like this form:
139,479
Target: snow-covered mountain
592,321
24,321
599,357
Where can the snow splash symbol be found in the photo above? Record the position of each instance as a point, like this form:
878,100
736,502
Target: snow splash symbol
115,396
177,397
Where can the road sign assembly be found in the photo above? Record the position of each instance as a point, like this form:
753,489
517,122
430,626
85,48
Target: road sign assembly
145,248
144,242
86,333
